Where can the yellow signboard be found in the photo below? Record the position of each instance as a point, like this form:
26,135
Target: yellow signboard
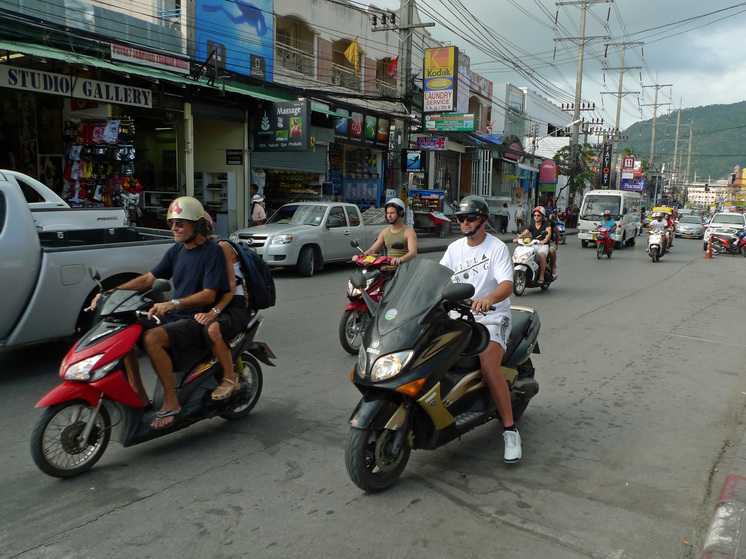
440,79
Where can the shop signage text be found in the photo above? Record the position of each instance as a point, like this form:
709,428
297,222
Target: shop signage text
152,59
449,123
283,126
441,75
234,157
78,88
426,142
606,166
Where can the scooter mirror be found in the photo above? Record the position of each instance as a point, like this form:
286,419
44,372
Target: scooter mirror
354,244
161,285
458,291
95,276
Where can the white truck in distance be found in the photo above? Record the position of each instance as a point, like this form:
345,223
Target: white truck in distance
52,213
625,209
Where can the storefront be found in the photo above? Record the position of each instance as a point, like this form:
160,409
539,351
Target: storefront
89,138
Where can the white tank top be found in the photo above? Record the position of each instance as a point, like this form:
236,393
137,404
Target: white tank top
239,277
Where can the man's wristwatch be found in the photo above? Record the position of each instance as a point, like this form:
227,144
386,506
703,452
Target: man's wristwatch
216,310
176,303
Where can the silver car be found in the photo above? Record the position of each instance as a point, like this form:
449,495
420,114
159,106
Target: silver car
690,226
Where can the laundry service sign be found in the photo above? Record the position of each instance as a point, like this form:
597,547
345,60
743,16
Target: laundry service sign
75,87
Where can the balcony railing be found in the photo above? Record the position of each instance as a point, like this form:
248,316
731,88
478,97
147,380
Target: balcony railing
385,89
294,59
345,77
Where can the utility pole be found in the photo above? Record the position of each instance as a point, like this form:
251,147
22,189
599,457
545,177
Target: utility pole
620,93
404,77
655,106
676,170
578,83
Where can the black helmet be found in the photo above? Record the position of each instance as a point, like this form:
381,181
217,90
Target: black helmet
474,205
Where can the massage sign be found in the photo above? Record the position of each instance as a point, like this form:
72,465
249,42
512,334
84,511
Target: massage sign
282,126
75,87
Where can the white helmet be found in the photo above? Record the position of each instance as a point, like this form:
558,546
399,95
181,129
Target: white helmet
256,198
398,204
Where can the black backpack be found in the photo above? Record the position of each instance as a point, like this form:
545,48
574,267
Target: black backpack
258,282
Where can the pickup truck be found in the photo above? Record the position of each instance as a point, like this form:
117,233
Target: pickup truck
52,213
45,278
307,235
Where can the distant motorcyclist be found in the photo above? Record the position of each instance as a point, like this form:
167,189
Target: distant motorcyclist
397,232
658,225
671,224
541,231
608,221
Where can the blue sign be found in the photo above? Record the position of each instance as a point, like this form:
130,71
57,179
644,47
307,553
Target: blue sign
238,33
634,185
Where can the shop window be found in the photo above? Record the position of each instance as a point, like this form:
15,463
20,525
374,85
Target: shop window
336,217
30,193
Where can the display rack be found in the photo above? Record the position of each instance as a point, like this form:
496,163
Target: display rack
213,190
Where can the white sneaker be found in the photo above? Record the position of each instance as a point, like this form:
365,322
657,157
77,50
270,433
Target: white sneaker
512,446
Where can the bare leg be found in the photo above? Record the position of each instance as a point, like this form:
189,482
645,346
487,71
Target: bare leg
222,352
156,342
490,361
542,267
133,375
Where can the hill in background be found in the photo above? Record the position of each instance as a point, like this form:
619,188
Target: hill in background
718,140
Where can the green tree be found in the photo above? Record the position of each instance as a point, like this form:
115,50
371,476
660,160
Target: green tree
584,173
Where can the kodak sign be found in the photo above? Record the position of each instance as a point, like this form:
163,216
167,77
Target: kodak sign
440,79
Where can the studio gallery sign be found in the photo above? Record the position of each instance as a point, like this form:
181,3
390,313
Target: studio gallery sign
75,87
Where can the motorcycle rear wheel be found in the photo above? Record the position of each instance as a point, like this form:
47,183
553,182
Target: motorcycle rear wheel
368,462
351,329
250,377
519,283
55,445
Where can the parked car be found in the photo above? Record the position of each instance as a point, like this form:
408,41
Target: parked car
724,222
690,226
307,235
45,274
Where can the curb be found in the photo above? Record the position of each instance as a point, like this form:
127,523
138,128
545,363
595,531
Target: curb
724,535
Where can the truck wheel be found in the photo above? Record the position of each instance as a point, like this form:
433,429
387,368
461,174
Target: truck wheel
306,261
584,243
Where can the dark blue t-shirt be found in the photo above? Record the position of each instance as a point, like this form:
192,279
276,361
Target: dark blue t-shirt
195,269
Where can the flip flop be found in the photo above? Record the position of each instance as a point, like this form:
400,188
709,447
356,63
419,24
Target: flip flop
164,415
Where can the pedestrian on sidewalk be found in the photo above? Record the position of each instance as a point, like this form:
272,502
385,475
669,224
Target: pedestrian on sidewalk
504,218
520,219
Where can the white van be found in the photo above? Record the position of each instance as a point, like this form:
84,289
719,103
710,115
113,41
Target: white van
624,207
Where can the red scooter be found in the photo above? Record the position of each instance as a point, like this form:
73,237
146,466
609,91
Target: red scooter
375,270
726,243
604,242
96,402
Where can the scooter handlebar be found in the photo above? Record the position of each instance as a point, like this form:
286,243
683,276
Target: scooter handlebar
145,314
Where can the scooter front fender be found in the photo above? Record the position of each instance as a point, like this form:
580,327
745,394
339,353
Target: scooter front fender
114,385
358,305
374,411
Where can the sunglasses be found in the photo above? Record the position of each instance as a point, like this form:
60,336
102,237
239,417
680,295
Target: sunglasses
471,218
176,223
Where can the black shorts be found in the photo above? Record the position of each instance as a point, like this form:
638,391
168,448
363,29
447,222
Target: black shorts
234,317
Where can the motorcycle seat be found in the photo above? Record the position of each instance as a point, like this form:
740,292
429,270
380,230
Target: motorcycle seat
520,322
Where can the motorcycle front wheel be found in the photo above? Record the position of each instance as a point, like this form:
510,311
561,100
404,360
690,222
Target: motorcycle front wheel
249,375
56,447
717,248
654,254
599,251
519,282
351,329
370,463
563,239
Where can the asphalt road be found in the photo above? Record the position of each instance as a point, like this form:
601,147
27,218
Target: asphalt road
625,446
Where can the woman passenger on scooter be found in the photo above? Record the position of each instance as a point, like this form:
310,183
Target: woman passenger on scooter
541,231
227,318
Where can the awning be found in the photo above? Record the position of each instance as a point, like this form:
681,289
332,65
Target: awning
527,167
43,51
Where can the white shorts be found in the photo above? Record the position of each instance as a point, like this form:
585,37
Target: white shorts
542,249
499,333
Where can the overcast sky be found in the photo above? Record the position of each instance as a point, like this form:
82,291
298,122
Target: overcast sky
703,58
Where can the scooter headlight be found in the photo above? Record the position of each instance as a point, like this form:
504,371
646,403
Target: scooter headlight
523,256
390,365
84,371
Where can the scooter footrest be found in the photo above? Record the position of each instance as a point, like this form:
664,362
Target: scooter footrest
467,417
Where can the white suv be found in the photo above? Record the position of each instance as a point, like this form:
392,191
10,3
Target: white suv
725,222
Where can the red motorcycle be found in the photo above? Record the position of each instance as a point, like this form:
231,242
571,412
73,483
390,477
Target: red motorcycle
375,271
604,242
727,243
96,402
